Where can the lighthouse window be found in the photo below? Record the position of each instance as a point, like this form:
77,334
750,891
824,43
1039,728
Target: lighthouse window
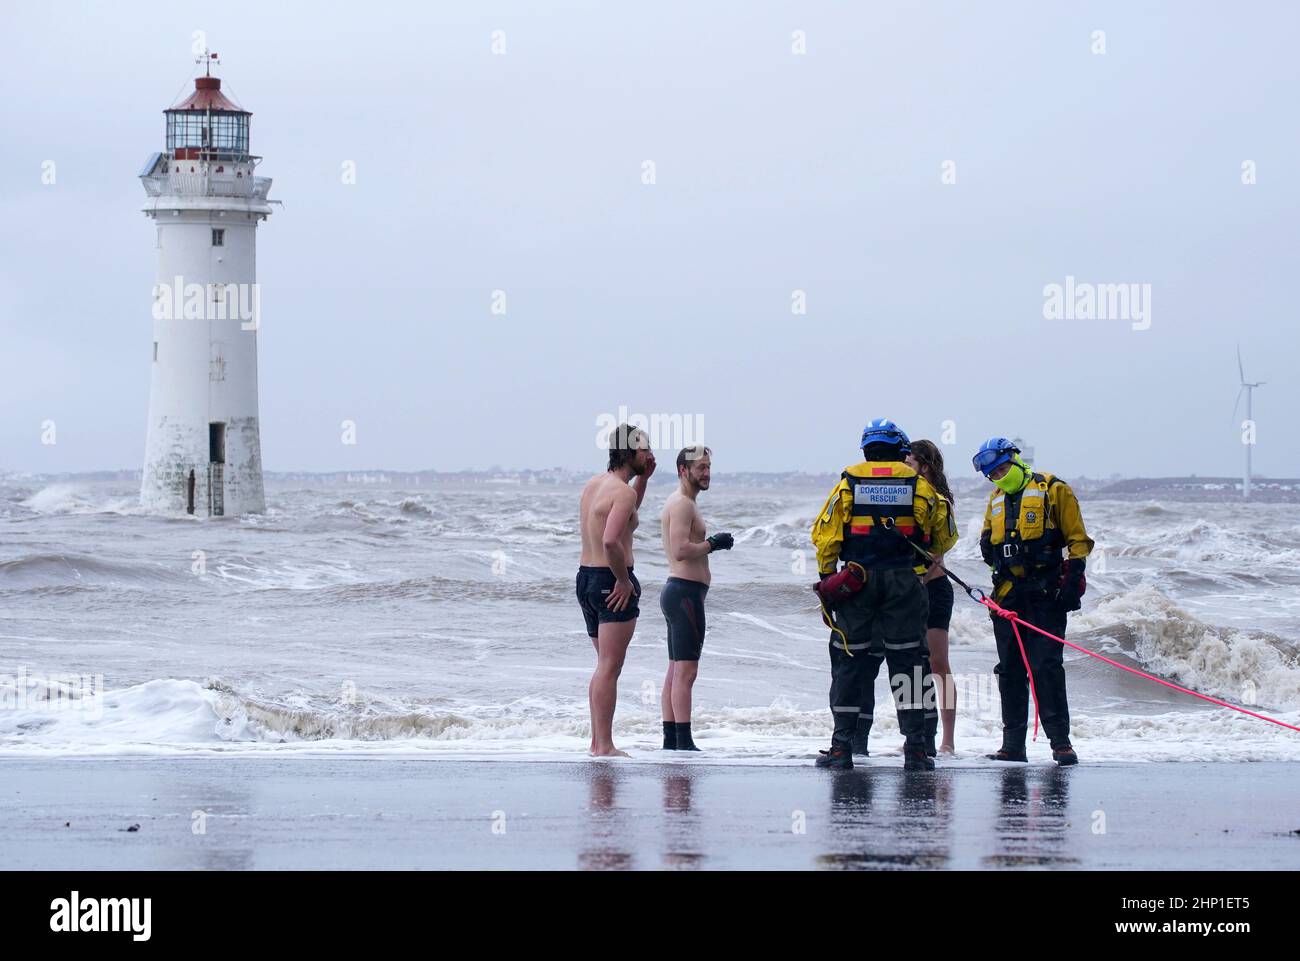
227,133
155,351
218,238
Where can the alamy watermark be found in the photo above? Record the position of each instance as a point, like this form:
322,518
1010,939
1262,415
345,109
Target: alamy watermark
663,431
52,692
213,301
75,914
971,695
1085,301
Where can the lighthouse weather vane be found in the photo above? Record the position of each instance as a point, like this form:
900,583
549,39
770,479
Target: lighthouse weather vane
208,59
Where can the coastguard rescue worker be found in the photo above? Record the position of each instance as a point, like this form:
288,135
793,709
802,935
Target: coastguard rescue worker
1036,544
875,603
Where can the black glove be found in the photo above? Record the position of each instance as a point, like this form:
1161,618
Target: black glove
720,542
987,550
1073,584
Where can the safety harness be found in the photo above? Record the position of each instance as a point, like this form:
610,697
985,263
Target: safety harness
1040,557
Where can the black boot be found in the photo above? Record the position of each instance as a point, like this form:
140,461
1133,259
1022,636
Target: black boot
670,736
860,735
1013,747
838,757
915,759
1064,756
1002,754
684,742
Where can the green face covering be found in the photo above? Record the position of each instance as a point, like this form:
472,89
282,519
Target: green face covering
1014,479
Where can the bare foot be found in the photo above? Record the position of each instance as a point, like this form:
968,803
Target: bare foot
947,749
610,751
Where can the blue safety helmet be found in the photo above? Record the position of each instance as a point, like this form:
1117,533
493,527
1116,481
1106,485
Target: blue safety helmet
882,431
993,453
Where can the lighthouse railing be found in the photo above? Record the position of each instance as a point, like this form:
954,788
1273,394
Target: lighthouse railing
206,185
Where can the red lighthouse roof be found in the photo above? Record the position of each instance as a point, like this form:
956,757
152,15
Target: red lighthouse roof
207,95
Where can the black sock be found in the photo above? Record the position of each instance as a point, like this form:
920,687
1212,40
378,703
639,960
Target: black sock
684,742
670,736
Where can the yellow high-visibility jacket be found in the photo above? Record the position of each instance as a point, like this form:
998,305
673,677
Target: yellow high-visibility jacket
900,496
1047,523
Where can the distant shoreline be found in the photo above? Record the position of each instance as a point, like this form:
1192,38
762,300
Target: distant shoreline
1185,488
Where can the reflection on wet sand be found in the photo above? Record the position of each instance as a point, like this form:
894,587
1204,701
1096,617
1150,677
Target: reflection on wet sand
911,833
684,845
217,799
612,828
922,812
873,818
1031,828
677,794
609,829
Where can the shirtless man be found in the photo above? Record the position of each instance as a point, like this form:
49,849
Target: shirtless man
608,591
682,600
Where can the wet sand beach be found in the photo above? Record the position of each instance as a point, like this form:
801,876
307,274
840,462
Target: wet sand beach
517,813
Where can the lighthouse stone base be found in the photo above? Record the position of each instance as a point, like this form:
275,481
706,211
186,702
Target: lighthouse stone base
179,478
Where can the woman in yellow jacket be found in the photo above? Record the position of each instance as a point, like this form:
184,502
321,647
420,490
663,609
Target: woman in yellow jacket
928,461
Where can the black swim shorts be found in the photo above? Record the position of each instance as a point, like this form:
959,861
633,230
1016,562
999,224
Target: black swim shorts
593,587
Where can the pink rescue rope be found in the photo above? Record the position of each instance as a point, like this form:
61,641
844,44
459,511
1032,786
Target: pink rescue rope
1025,657
1016,620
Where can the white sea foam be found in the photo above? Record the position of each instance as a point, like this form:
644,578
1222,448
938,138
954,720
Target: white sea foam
70,498
1245,667
177,716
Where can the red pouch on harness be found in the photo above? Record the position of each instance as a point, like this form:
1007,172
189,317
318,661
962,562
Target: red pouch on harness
842,585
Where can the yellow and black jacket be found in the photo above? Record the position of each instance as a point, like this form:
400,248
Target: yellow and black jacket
1029,550
881,494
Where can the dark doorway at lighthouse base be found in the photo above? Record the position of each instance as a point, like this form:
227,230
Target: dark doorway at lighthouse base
216,470
216,443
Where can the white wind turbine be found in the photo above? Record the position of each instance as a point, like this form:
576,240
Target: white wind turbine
1249,389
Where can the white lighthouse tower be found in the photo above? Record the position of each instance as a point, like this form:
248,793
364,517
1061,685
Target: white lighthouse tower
203,452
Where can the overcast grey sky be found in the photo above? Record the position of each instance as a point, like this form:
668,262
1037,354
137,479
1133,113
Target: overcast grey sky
775,171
